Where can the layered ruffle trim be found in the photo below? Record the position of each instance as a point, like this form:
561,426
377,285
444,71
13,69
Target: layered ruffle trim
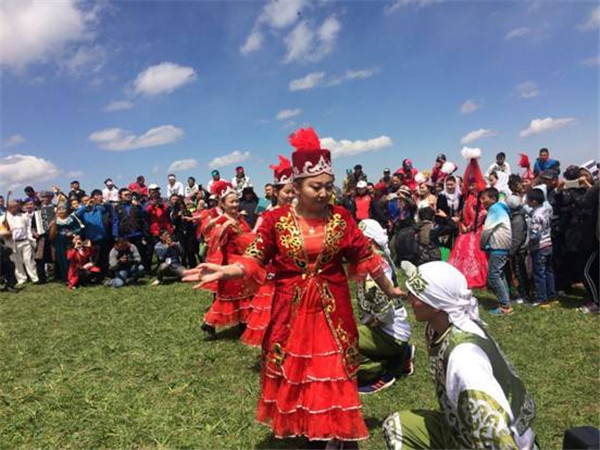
226,313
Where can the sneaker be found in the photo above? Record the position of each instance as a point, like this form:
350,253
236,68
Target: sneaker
519,301
409,362
501,311
155,283
384,382
549,304
209,330
536,303
590,308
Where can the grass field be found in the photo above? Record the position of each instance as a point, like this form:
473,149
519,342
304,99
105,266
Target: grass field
105,368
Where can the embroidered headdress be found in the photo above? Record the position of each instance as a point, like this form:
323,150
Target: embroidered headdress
472,172
221,189
309,159
282,173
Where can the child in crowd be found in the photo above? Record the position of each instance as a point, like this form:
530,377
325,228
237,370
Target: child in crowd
540,245
384,331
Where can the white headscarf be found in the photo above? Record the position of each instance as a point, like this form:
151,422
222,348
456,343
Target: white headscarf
374,231
443,287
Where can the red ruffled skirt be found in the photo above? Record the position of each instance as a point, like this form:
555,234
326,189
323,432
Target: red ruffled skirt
260,315
469,259
308,392
226,313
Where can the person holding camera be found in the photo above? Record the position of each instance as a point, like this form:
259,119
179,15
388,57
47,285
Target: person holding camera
169,253
125,263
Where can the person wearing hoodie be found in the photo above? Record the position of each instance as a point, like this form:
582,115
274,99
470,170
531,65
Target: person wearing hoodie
496,241
540,245
518,249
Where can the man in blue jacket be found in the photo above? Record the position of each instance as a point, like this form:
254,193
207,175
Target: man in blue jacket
544,162
496,241
98,218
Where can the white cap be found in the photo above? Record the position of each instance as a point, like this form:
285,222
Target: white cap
361,184
153,186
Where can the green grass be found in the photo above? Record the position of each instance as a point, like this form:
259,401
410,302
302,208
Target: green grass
106,368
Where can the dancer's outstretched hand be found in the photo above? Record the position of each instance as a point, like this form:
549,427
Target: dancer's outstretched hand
204,273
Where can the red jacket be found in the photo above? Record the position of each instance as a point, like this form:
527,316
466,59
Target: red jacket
158,216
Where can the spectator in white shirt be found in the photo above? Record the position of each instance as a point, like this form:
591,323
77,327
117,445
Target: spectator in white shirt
191,189
110,193
173,186
240,181
499,166
22,241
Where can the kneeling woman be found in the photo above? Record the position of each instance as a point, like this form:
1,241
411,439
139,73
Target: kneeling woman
310,347
228,237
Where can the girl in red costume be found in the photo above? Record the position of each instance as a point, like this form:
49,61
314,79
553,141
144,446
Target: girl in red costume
228,236
261,303
310,348
466,255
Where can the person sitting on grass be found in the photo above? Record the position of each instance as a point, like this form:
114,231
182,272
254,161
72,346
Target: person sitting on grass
168,252
82,270
483,402
384,331
540,245
125,263
496,241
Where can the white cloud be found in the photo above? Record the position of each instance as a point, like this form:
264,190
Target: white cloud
234,157
84,61
593,21
182,164
36,31
307,82
253,43
117,139
156,169
591,62
517,32
477,134
304,43
75,174
397,5
538,126
345,147
288,113
17,170
528,89
469,106
276,15
118,105
13,140
163,78
320,79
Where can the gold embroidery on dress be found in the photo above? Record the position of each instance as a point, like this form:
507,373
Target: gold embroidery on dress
290,239
255,249
278,354
334,232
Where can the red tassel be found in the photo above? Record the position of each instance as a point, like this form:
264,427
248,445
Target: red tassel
524,161
305,139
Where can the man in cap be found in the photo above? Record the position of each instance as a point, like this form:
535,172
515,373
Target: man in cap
240,181
174,186
110,193
216,176
483,402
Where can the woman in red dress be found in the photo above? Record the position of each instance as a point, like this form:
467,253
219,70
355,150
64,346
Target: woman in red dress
260,315
228,236
466,255
310,348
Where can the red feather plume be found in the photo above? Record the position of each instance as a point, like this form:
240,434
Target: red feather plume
284,163
524,161
305,139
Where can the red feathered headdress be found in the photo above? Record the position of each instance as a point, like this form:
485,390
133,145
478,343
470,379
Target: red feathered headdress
282,173
525,164
221,188
472,172
309,159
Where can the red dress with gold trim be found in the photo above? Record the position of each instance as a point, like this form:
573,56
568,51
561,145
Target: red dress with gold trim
227,243
310,348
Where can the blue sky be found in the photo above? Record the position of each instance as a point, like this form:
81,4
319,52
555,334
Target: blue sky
92,90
